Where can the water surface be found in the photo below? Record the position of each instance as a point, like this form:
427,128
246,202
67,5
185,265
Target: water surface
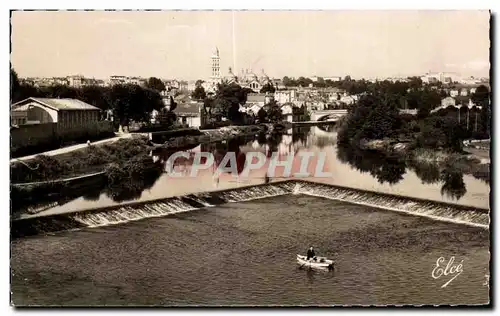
244,254
348,169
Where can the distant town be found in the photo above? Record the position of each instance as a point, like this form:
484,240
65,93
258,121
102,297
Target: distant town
315,93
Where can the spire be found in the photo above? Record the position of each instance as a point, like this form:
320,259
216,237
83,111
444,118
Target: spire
216,53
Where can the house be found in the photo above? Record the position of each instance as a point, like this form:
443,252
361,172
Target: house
67,113
291,113
189,113
117,80
76,81
285,96
258,98
347,99
447,102
333,79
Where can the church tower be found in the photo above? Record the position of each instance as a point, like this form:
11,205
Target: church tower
216,64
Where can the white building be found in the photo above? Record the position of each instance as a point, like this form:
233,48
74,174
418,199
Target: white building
285,96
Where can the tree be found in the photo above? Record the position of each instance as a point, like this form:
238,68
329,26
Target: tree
273,112
14,85
262,115
423,100
268,87
60,91
454,185
287,82
156,84
131,102
441,132
481,97
304,82
199,93
320,83
227,101
96,96
383,121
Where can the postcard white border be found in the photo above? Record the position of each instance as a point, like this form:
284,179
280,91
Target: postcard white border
199,4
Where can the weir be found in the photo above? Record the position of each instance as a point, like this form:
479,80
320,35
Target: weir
458,214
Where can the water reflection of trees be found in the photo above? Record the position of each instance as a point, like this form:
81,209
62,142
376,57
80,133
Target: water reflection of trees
300,135
429,173
454,186
391,169
384,167
128,181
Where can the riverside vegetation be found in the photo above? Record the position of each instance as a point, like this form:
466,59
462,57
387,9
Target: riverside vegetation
429,143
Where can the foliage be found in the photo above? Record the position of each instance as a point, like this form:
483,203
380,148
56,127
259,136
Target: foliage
128,179
155,84
91,159
353,123
14,85
268,87
383,121
131,102
199,93
273,112
482,98
441,132
424,100
227,100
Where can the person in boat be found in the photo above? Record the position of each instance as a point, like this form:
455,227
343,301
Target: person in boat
310,253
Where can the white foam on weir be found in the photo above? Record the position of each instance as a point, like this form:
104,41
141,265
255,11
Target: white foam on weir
202,202
253,193
425,209
399,204
296,188
129,213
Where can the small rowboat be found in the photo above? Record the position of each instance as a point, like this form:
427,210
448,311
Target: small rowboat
316,262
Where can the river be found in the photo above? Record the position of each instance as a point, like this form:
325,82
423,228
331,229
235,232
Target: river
243,253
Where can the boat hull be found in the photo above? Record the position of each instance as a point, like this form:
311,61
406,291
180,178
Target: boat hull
316,262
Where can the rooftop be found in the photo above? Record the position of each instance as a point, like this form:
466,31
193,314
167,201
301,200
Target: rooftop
188,108
59,104
256,97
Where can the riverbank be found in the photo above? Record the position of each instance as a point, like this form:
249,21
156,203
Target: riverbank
96,158
213,135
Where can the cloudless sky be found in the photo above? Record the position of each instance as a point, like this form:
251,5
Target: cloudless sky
178,44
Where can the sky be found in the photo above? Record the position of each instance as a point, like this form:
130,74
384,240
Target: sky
179,44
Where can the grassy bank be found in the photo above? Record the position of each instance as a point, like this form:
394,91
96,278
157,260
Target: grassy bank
101,158
76,163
